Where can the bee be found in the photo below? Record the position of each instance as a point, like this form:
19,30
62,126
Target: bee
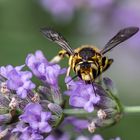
87,61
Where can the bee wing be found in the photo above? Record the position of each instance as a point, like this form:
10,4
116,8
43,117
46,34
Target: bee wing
120,37
57,38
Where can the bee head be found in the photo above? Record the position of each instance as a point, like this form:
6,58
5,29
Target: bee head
86,53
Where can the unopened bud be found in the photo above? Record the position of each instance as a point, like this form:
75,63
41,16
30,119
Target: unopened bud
91,127
3,133
5,118
14,103
56,109
110,85
3,88
36,98
101,114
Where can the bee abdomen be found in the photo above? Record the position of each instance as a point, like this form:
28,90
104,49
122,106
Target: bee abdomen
108,64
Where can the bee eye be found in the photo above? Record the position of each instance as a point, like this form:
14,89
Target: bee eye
87,53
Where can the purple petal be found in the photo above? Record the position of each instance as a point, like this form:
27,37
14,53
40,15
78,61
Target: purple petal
63,71
45,116
44,127
29,85
26,75
34,108
40,56
97,137
42,68
19,68
21,92
5,70
89,107
77,101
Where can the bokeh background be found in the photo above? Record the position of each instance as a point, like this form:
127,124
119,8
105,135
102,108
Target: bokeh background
81,22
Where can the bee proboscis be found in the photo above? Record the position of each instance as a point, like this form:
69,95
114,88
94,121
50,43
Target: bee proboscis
87,61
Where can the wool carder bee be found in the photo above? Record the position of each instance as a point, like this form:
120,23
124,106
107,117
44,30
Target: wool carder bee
87,61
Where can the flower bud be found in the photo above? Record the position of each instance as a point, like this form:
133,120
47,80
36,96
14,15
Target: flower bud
110,85
55,109
5,118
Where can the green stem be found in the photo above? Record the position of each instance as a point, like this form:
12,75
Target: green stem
127,110
75,112
131,109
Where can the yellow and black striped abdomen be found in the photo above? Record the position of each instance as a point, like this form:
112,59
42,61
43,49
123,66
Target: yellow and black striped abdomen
104,64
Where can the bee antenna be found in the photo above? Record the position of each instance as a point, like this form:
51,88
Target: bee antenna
93,85
72,78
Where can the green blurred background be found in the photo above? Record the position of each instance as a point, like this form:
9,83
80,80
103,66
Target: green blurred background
20,21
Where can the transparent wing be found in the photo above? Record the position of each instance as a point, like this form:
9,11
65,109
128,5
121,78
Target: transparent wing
120,37
57,38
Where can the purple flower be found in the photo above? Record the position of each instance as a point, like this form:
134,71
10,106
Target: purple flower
18,80
79,124
63,9
127,16
100,5
29,135
26,132
44,70
95,137
20,127
58,135
36,118
82,95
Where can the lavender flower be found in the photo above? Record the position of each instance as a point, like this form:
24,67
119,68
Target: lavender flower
17,80
103,4
26,132
97,137
65,9
79,124
36,118
82,95
33,123
58,135
94,137
62,8
44,70
127,16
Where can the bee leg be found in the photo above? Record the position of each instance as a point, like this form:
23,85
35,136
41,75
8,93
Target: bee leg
93,85
99,79
68,72
67,75
56,59
59,57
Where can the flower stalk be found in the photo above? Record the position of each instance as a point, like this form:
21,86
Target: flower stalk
126,110
76,112
132,109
